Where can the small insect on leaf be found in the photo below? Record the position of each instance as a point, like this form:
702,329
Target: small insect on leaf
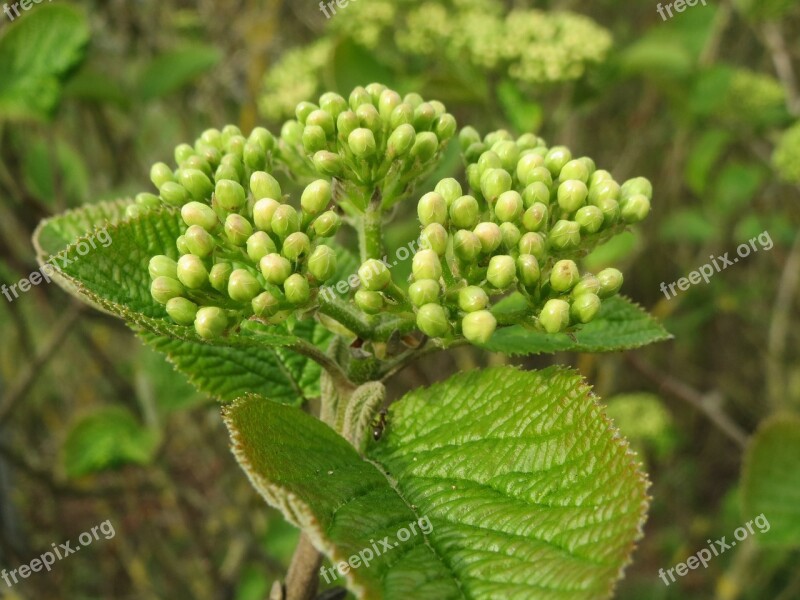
379,425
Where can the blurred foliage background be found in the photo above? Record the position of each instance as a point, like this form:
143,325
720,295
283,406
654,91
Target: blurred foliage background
95,426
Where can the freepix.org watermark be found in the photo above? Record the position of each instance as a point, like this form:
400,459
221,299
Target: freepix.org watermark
59,552
678,5
23,4
715,548
330,6
366,555
51,266
705,272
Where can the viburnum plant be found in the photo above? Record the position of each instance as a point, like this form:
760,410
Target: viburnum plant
529,489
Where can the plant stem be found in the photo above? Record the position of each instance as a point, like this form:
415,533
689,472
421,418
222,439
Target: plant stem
347,315
302,579
370,235
333,369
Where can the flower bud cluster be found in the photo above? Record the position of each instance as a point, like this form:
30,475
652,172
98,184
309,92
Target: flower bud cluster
530,212
245,251
375,140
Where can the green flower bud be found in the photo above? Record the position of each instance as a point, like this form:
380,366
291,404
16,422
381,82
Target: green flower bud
590,219
275,268
575,169
196,162
572,195
508,153
292,133
526,165
432,208
229,195
265,304
388,101
610,282
472,298
426,265
228,132
432,320
466,245
401,141
611,211
212,137
254,156
511,235
474,177
327,224
322,119
263,211
333,103
181,310
528,269
370,302
263,138
296,289
362,142
508,207
497,136
199,241
464,212
556,158
209,153
346,123
173,193
163,289
180,244
182,153
527,141
502,271
314,138
425,146
359,96
226,172
434,237
565,235
259,245
564,276
162,266
284,221
243,286
489,160
445,127
424,114
238,230
478,326
424,291
589,284
196,183
218,276
489,235
539,175
494,182
369,118
468,136
449,189
584,308
328,163
590,165
534,244
413,99
197,213
634,209
374,275
636,186
296,245
192,272
303,110
160,173
474,153
316,197
146,200
554,316
597,176
536,192
322,263
535,218
234,162
210,322
403,114
264,185
602,190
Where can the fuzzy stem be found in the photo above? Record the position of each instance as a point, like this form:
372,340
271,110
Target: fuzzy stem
370,234
302,580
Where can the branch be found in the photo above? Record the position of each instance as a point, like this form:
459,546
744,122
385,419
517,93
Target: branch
326,362
302,579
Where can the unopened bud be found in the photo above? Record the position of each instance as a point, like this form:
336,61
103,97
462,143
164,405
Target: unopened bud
424,291
502,271
254,156
322,119
511,235
584,308
432,320
535,218
259,245
449,189
316,197
572,195
173,193
333,103
590,219
163,289
403,114
494,182
610,282
210,322
401,141
160,173
263,210
534,244
508,207
284,221
182,311
589,284
445,127
296,245
264,185
425,146
322,263
636,186
196,183
275,268
328,163
218,276
556,158
162,266
243,286
314,139
426,265
464,212
432,208
265,304
564,276
296,289
478,326
554,317
603,190
576,169
468,136
238,229
434,237
536,192
565,235
362,142
197,213
472,298
327,224
229,195
466,245
192,272
489,235
346,123
528,269
370,302
634,209
199,241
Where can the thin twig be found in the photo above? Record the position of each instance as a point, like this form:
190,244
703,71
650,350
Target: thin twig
326,362
773,36
302,579
708,404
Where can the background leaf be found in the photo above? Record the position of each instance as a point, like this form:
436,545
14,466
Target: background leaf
173,70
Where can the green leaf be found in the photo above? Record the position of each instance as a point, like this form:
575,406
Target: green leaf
524,115
621,325
516,484
173,70
35,56
771,480
106,439
688,225
737,186
704,156
353,65
42,165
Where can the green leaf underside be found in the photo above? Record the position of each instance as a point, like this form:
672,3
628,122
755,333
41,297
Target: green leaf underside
620,325
106,439
530,491
771,480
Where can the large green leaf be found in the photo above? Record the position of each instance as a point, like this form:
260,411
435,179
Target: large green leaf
173,70
621,325
35,55
516,483
105,439
771,481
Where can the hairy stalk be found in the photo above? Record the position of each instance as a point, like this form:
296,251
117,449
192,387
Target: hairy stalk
370,235
302,579
331,367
